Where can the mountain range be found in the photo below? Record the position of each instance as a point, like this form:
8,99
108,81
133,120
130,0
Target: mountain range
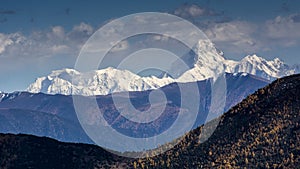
206,62
54,115
47,109
262,131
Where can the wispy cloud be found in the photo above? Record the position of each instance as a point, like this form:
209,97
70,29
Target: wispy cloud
283,30
193,11
53,41
231,35
230,31
238,36
283,27
7,40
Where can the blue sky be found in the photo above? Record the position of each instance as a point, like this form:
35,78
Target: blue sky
37,37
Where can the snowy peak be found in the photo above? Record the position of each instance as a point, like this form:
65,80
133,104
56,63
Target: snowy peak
110,80
207,62
253,58
207,54
66,71
4,96
97,82
207,45
277,62
259,66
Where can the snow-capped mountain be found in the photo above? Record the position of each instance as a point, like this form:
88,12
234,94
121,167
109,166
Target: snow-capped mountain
110,80
208,62
2,95
8,95
98,82
258,66
54,115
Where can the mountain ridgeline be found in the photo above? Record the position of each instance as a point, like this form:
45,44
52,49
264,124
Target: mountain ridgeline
262,131
54,115
206,62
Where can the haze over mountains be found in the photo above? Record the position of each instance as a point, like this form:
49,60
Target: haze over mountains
54,115
206,63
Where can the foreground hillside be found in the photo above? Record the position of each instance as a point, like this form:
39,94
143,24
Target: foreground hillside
26,151
263,131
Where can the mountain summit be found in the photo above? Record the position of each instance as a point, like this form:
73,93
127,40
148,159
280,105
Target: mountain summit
98,82
259,66
208,62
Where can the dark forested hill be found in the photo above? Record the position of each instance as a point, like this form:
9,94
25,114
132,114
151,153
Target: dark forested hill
263,131
27,151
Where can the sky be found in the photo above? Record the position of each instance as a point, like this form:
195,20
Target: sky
37,37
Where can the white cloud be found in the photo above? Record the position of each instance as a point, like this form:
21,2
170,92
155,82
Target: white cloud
192,11
58,31
237,36
84,28
284,27
7,40
235,31
54,41
4,41
249,37
60,48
